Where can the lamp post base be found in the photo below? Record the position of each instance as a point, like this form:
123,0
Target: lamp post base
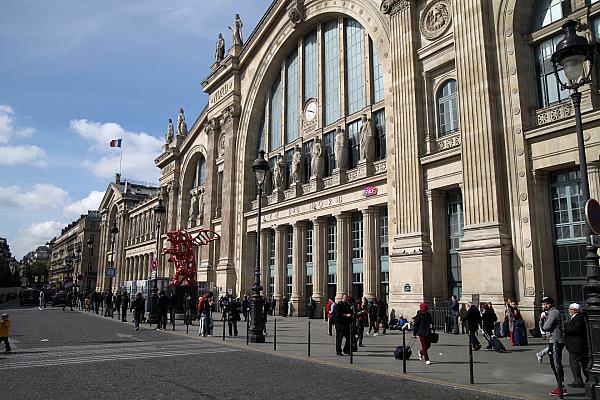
153,318
257,337
256,332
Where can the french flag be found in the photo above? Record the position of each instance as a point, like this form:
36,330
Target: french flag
115,143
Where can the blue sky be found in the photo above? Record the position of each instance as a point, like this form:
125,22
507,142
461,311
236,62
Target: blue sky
75,74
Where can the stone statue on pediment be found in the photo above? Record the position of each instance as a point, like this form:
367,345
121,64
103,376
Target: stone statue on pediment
220,50
366,138
201,205
193,206
236,31
181,125
170,132
278,174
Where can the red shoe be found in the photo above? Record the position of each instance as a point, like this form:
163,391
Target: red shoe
556,392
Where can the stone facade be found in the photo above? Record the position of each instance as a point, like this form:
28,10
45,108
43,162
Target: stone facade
70,255
458,199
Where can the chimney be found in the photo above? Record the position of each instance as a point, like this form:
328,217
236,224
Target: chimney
117,178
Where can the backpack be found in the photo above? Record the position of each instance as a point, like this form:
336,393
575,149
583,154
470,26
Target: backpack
201,303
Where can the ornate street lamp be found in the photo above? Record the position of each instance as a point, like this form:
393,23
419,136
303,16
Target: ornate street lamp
90,246
159,210
575,55
260,167
113,231
76,273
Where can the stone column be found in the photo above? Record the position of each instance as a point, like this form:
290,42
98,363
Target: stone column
264,262
320,264
486,246
410,249
343,264
280,265
298,299
207,254
370,251
438,278
226,275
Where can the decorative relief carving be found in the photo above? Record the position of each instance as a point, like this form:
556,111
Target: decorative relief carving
551,114
448,142
436,18
392,7
380,166
328,182
529,291
295,12
221,145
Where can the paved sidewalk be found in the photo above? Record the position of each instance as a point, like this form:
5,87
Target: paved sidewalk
516,373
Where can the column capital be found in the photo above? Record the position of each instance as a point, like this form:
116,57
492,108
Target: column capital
392,7
281,228
299,224
344,216
370,211
320,220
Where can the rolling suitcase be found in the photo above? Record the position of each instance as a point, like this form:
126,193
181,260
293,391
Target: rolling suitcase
404,349
494,343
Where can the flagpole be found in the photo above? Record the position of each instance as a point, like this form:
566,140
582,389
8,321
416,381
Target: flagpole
121,159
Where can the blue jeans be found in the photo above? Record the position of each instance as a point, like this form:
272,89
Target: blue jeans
206,325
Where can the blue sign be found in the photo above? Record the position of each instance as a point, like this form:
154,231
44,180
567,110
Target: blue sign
110,272
407,287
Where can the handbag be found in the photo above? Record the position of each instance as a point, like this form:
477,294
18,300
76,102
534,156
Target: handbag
434,337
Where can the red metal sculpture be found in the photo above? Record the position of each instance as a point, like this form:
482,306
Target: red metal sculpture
182,253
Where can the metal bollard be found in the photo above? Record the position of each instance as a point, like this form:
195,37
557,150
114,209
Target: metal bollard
187,323
404,351
247,330
224,322
309,338
275,334
173,318
351,343
471,379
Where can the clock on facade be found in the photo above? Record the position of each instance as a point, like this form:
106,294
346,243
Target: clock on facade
310,110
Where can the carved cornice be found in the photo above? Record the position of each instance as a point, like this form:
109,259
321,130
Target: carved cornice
392,7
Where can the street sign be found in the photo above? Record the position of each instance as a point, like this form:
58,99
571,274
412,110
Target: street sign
110,272
592,215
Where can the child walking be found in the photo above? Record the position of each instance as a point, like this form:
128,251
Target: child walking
4,331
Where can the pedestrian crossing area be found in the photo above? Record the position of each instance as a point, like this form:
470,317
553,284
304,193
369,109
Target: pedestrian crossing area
95,353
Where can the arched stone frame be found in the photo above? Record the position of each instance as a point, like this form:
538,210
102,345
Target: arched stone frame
376,25
531,260
187,174
438,84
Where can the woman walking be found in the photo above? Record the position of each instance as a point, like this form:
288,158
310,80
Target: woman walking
422,328
138,308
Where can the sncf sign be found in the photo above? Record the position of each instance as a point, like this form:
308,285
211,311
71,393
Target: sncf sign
370,191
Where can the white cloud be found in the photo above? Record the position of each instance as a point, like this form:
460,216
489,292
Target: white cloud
82,206
42,196
8,127
25,154
37,234
139,150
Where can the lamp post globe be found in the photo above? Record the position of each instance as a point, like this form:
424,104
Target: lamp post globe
159,210
260,166
574,55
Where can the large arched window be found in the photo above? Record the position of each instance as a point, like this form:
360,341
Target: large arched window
447,100
339,90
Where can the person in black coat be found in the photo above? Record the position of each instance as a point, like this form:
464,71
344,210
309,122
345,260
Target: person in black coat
138,306
488,319
163,309
234,308
454,314
124,305
422,328
576,335
473,320
343,319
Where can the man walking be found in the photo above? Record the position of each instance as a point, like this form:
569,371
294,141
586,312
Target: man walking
124,305
473,320
553,325
576,336
138,307
454,312
163,309
206,310
343,319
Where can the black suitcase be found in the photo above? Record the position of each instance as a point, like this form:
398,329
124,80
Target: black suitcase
402,349
494,343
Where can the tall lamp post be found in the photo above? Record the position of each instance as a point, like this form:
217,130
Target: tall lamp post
90,246
572,53
113,231
77,271
260,167
159,210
